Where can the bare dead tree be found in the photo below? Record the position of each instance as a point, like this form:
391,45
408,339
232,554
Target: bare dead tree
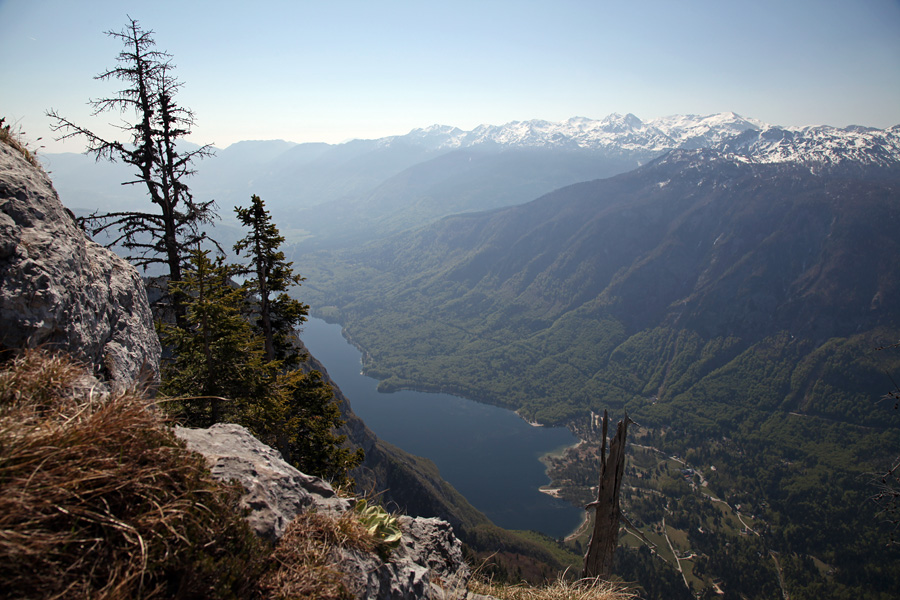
604,538
168,234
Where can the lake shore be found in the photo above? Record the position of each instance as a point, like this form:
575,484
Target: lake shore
488,453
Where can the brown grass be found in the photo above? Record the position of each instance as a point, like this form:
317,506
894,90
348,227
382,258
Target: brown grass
561,589
14,140
307,562
97,500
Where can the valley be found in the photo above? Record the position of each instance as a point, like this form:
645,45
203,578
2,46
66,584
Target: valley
726,282
720,303
487,453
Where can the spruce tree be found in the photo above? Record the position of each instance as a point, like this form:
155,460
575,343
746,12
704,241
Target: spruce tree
310,441
218,366
220,372
271,276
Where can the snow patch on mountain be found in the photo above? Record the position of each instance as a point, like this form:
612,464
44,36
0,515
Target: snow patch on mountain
819,146
751,139
616,131
694,131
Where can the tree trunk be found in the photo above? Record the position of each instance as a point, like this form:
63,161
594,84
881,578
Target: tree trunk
599,558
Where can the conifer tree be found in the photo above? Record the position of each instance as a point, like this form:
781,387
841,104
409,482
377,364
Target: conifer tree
220,373
271,276
314,446
218,362
169,234
310,440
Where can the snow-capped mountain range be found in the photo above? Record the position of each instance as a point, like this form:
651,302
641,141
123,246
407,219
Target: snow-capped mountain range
727,132
442,170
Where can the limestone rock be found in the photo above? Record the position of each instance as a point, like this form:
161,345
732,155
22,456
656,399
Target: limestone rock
59,289
428,564
276,492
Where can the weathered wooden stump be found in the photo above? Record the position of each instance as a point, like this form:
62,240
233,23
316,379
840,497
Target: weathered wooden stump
604,538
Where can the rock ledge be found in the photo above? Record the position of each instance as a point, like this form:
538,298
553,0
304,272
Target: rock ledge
428,564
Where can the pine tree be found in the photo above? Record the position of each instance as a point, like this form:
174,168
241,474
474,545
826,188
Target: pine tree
169,234
271,277
218,365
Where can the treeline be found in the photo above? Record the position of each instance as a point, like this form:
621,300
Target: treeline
232,353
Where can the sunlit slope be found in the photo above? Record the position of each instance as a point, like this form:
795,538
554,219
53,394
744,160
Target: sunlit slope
636,287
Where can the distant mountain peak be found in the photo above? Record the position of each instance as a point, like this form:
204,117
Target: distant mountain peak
819,146
617,122
752,139
614,132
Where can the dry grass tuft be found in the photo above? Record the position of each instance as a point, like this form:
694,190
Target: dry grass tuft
561,589
307,558
97,500
14,140
35,384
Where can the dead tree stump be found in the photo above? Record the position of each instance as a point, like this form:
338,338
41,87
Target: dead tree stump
604,538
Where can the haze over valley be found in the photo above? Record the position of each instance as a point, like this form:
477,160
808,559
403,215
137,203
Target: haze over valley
522,216
725,281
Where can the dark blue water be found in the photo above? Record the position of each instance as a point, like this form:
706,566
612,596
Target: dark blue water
487,453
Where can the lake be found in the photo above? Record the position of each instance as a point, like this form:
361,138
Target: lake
487,453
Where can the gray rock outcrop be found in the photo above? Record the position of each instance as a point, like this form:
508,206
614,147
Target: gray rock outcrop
428,564
60,290
275,491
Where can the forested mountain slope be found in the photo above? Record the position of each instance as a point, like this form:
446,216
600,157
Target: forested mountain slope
733,306
697,242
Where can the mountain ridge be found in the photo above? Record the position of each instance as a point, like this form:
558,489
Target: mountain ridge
731,306
625,132
328,195
508,247
728,131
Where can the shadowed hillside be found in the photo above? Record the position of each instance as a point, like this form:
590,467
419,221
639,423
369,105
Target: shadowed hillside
733,308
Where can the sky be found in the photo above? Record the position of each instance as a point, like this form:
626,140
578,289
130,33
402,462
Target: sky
329,71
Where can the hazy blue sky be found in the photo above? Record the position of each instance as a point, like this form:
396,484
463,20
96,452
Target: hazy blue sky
334,70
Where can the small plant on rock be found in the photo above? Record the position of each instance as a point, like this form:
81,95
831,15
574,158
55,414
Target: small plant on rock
380,524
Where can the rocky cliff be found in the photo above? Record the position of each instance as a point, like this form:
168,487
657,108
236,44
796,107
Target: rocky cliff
60,290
